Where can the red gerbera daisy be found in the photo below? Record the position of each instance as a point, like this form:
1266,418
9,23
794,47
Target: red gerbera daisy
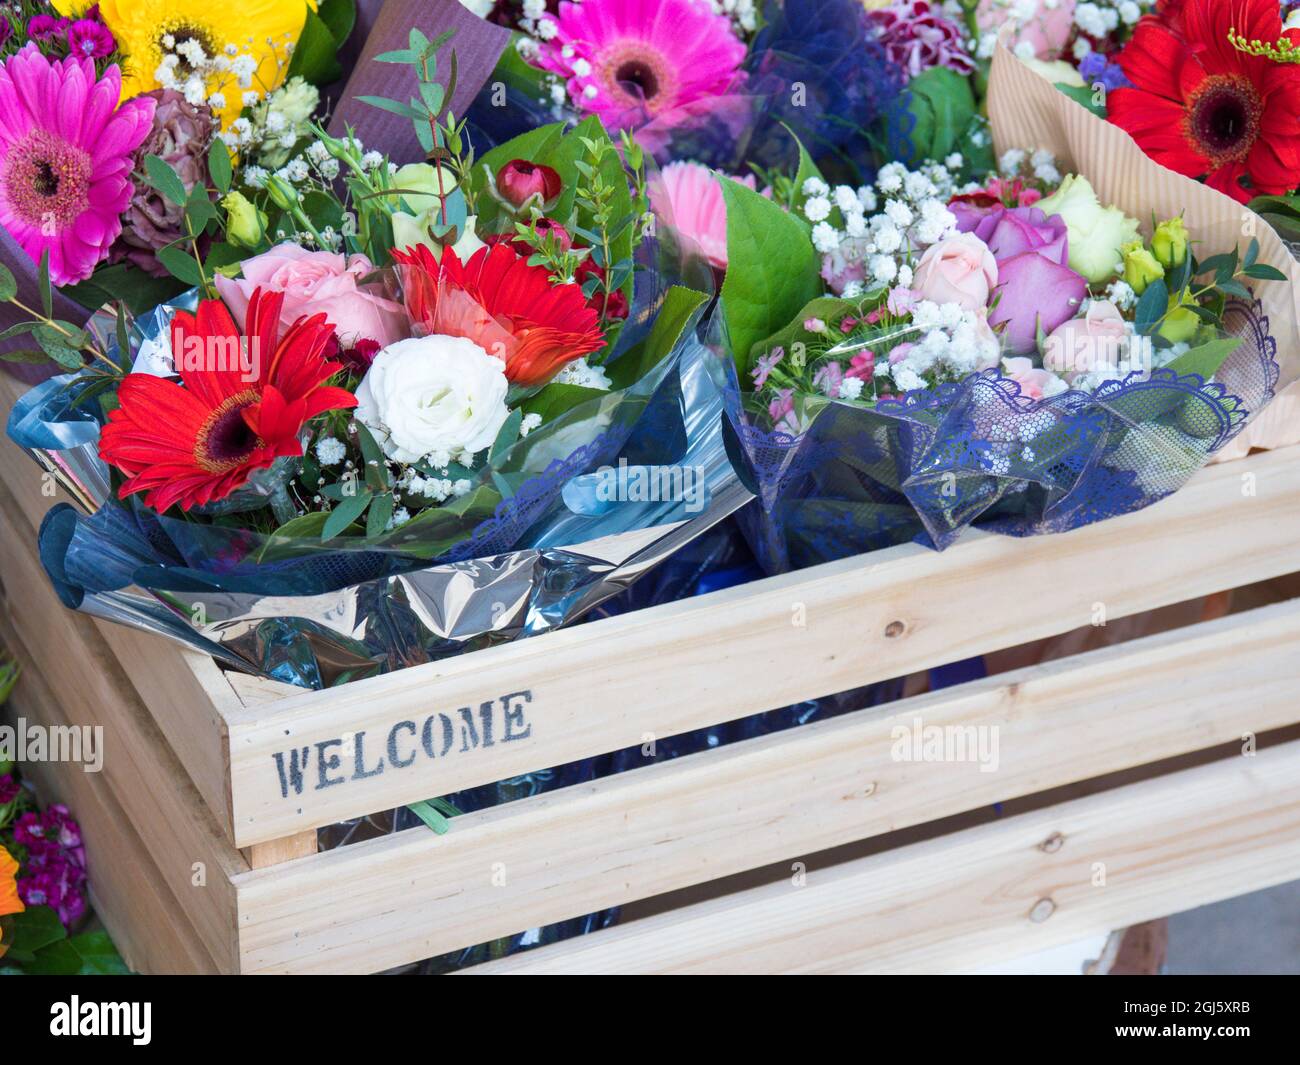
238,408
508,308
1207,110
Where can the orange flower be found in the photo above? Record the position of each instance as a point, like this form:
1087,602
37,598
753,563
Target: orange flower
9,900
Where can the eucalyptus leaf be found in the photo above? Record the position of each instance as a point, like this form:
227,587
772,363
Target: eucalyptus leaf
348,511
163,178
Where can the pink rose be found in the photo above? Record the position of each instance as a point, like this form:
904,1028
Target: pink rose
1036,287
1088,344
958,270
319,282
1033,382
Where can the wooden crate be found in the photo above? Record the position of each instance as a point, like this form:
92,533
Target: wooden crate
200,763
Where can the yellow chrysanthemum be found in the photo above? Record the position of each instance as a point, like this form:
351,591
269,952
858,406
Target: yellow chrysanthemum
9,900
262,29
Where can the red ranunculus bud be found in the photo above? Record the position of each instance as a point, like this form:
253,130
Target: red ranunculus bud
547,228
613,307
520,181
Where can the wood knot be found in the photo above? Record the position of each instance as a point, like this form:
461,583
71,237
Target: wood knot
1042,910
1052,843
895,629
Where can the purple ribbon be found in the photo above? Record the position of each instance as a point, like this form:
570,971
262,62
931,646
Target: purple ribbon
478,45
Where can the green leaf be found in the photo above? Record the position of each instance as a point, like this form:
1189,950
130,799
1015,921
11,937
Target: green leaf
678,313
1233,287
373,456
1264,272
1206,359
219,165
339,16
394,107
773,272
348,511
162,177
944,105
378,514
808,169
8,284
58,347
435,531
829,309
289,537
430,817
35,929
181,265
557,399
24,355
315,57
138,290
1086,95
43,283
1152,306
507,436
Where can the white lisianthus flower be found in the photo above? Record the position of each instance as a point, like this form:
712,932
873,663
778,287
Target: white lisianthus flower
433,397
1096,233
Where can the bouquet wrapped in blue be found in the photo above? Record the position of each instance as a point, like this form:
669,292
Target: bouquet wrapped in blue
922,354
382,426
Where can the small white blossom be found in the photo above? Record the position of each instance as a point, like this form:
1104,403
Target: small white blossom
330,451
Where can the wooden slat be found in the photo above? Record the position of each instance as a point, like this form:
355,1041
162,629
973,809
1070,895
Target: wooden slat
278,851
152,788
128,893
745,806
185,691
984,894
670,669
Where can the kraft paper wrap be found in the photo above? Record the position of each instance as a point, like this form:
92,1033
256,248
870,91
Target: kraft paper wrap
1028,111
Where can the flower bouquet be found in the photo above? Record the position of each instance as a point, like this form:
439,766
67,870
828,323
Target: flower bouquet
1236,197
919,355
164,78
378,368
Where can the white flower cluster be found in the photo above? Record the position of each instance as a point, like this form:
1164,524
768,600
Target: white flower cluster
742,13
436,489
1101,18
537,25
953,343
880,227
1042,164
275,125
583,375
205,79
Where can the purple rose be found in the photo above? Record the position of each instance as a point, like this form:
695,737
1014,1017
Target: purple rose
1036,287
1012,231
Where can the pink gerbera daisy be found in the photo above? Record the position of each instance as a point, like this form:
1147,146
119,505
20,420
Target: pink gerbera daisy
630,61
65,159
